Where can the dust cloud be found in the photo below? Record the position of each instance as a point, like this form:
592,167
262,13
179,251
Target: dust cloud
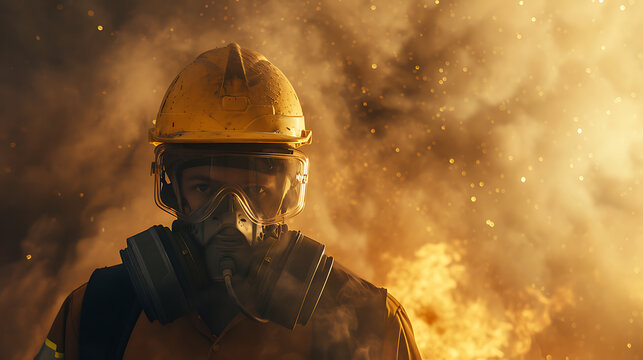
482,159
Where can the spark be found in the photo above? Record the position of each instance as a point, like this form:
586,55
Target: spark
579,131
100,27
622,7
581,178
523,179
473,199
451,161
373,66
490,223
28,256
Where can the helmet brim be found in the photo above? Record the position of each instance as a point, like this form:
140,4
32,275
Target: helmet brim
230,136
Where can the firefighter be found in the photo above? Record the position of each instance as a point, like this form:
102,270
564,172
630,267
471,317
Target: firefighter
229,280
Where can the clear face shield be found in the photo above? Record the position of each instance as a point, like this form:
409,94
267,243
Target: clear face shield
192,181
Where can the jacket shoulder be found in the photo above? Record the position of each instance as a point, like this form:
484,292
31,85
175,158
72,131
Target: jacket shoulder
350,318
62,339
356,319
399,337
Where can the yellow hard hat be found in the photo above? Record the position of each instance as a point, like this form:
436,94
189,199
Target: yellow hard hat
230,95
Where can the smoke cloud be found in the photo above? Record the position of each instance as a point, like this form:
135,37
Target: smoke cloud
482,160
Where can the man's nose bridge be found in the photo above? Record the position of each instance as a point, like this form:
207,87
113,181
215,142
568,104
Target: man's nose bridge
230,202
231,209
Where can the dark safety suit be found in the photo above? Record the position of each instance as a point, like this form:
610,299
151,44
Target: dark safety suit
353,320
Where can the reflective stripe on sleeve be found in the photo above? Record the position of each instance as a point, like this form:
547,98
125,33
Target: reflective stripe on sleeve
48,351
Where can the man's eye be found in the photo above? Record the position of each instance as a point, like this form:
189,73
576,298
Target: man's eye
257,189
202,187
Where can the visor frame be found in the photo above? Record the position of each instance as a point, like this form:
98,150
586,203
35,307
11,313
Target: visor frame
162,174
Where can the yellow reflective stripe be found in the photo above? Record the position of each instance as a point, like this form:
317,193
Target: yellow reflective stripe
50,344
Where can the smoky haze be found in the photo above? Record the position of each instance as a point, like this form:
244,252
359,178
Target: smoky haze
481,159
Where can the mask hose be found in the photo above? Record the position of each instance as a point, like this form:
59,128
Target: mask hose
227,277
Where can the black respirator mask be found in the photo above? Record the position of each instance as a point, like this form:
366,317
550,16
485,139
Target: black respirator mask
271,273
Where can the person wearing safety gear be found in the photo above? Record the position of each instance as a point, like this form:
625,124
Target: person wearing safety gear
229,280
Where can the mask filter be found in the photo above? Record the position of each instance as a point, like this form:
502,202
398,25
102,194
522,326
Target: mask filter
282,279
166,271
